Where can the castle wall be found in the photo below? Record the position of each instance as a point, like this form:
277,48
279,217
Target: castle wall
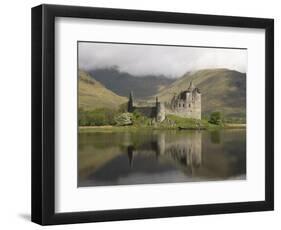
186,104
196,110
189,107
146,111
157,111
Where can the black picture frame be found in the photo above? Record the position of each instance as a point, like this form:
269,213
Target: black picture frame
43,113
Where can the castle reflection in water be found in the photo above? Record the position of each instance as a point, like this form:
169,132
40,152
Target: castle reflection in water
185,152
160,156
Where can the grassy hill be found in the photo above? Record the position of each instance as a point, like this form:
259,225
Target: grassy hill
221,89
93,95
122,83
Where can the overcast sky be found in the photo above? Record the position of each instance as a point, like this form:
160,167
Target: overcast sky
167,60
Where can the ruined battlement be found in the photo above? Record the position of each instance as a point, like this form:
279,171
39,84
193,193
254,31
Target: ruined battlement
184,104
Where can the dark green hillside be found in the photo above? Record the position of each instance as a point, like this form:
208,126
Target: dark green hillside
222,90
122,83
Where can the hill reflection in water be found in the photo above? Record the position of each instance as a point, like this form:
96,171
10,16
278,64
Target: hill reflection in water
146,157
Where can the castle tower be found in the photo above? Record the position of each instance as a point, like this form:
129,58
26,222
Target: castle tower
196,104
160,111
193,102
187,103
131,103
191,86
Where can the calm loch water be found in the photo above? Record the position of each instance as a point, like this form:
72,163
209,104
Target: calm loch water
149,156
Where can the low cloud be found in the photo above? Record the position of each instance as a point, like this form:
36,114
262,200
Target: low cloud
171,61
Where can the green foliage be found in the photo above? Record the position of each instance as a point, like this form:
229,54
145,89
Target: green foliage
123,119
110,117
140,120
215,118
176,121
102,117
97,117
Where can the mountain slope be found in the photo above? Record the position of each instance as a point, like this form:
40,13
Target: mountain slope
93,95
122,83
221,89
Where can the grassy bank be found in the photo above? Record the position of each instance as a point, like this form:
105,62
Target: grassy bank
171,124
104,119
234,126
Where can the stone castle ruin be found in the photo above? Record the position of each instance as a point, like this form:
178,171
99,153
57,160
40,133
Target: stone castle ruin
185,104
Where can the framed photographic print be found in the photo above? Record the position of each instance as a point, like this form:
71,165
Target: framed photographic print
143,114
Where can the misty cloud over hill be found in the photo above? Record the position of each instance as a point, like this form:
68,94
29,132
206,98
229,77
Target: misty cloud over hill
171,61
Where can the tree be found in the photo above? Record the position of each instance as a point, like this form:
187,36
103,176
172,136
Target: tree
215,118
97,117
123,119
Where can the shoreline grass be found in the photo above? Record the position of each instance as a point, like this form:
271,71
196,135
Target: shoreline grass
136,122
111,128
